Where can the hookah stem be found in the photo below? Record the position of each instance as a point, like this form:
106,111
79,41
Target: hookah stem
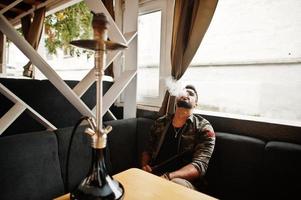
99,61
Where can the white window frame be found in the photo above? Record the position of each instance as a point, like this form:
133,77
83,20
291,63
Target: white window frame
166,8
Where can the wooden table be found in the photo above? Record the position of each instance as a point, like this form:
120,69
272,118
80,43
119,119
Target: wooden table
139,184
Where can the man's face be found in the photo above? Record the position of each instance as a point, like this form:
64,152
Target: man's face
187,99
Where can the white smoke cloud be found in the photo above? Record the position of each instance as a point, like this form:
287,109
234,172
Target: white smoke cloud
175,87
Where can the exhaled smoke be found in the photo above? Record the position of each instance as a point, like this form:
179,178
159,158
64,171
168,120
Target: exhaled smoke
174,87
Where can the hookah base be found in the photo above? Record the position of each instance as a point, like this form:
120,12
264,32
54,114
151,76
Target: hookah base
104,193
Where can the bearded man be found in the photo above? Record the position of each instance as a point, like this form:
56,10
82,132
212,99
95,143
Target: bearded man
181,144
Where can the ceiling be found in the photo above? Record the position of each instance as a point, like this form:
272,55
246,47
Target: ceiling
14,10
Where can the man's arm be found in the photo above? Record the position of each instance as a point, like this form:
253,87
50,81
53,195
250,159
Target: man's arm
204,149
188,172
145,159
201,157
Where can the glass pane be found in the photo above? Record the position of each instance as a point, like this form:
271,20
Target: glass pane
270,92
149,31
67,67
251,68
15,61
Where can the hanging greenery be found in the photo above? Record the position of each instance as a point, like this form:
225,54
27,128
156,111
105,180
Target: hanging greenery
72,23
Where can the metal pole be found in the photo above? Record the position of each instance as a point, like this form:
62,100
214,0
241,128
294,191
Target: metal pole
100,58
99,24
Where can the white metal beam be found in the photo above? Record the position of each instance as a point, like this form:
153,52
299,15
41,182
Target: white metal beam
89,79
39,118
130,25
10,116
17,109
17,18
43,66
52,6
112,115
130,36
13,4
116,89
2,53
60,5
85,83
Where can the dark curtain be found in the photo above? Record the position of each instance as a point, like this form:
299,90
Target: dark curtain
32,31
190,23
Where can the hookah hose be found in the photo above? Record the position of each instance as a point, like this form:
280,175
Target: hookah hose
69,149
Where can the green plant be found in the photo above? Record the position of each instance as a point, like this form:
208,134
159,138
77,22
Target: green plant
72,23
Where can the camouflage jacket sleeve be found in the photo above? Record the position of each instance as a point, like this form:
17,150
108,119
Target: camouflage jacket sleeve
204,146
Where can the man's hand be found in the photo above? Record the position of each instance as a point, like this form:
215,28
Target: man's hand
188,172
165,176
145,159
147,168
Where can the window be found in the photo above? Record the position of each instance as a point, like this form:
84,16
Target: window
154,34
249,60
14,67
67,67
149,26
248,63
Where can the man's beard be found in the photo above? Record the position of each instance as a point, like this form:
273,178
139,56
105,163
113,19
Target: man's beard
184,104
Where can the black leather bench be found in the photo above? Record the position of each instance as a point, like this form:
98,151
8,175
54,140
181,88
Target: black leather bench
242,167
43,97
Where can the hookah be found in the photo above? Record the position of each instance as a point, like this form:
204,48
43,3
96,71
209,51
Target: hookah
98,185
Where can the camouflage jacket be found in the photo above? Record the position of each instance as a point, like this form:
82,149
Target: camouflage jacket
196,136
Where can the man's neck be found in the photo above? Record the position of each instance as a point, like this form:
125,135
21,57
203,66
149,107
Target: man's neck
180,117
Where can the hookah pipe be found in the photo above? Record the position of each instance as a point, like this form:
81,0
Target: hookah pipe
98,185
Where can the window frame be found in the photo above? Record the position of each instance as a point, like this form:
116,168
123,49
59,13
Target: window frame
165,44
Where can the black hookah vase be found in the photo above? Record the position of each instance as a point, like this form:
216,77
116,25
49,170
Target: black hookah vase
98,185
